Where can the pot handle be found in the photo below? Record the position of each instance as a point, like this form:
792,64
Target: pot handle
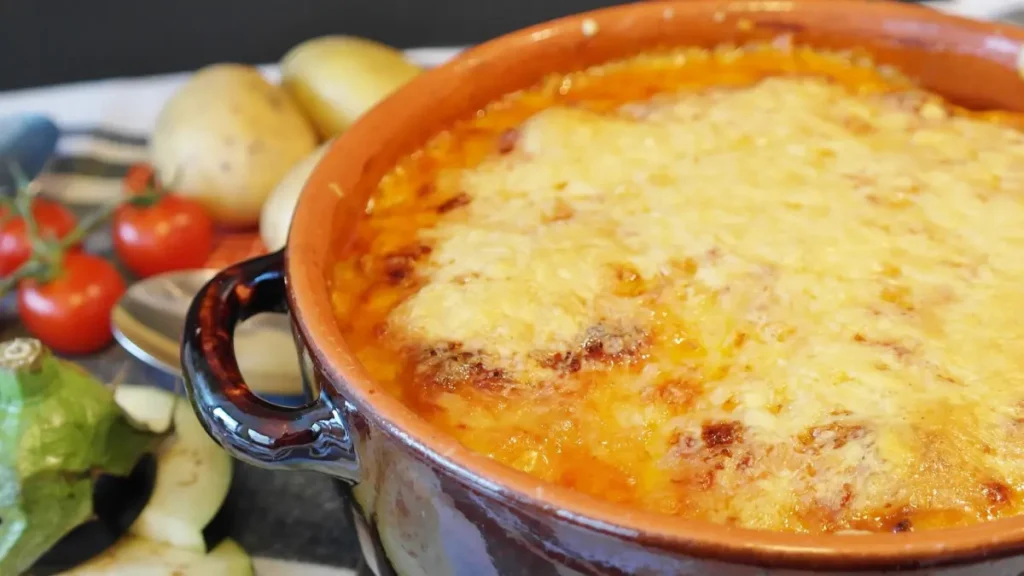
312,436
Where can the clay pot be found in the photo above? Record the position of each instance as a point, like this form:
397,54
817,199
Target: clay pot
427,505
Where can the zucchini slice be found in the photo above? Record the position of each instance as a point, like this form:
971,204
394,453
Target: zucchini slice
140,557
193,473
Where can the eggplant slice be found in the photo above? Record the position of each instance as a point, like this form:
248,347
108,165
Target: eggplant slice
117,502
177,498
194,474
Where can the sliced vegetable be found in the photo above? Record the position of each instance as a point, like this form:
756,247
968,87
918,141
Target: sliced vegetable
70,312
117,502
226,138
59,428
140,557
274,377
174,233
276,216
51,218
193,472
338,78
150,408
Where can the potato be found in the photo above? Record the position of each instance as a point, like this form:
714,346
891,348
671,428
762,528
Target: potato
277,212
226,138
337,78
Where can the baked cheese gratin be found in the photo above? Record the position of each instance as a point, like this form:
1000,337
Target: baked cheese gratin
763,286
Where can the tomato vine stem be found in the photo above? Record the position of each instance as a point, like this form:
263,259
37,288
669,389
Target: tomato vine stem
48,253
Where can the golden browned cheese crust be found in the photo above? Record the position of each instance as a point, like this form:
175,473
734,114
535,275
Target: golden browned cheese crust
768,287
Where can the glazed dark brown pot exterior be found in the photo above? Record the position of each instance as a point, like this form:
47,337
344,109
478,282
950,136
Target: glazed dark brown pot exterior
422,502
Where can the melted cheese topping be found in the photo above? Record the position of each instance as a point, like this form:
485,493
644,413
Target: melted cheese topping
773,288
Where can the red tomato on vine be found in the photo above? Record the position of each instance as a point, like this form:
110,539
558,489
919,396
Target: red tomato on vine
65,297
70,313
52,219
173,233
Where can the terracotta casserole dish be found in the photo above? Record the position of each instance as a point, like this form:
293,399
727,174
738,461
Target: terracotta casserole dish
426,504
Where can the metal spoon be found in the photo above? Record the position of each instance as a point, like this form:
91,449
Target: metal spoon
149,321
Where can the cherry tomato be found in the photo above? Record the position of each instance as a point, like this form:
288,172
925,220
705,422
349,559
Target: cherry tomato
71,313
138,178
53,220
173,234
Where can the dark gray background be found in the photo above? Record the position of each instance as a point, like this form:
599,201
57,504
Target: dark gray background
55,41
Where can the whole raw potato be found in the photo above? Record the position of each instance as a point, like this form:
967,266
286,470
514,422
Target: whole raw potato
337,78
280,205
226,138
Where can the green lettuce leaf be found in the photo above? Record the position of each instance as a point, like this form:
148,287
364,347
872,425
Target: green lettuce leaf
59,429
